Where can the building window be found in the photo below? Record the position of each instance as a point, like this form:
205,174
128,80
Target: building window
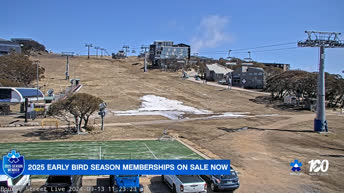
255,73
260,73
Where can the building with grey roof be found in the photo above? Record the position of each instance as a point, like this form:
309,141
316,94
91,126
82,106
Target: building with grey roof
216,72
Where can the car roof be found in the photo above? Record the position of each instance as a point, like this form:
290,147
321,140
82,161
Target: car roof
3,178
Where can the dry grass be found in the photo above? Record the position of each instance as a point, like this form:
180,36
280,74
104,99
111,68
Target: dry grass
262,155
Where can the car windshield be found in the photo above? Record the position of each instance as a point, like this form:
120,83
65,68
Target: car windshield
59,179
233,175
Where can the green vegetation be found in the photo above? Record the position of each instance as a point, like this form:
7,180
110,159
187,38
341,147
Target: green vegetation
18,70
81,106
30,45
303,84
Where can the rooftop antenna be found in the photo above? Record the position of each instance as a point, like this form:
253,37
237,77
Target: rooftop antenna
67,54
97,47
322,40
88,46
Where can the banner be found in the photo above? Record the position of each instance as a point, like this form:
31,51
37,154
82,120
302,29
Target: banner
118,167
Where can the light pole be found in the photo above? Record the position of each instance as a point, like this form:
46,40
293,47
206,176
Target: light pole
102,113
37,72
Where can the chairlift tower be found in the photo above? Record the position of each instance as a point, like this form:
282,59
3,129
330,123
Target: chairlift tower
67,54
101,51
97,47
143,47
322,40
126,47
88,46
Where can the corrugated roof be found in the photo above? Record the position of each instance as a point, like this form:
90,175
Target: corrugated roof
218,69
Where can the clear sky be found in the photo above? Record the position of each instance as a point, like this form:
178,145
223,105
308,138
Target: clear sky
210,27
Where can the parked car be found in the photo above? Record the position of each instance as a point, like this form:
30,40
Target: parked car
126,183
70,184
223,82
223,182
185,183
16,185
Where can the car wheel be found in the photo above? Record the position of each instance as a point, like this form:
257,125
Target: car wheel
174,190
213,187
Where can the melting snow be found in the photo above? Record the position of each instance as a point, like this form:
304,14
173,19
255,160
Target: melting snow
173,109
156,105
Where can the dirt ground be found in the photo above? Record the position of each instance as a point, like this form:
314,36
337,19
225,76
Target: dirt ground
261,152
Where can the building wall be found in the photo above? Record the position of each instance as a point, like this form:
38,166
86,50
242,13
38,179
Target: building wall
5,49
165,50
284,67
254,77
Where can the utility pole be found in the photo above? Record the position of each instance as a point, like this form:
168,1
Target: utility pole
88,46
322,40
37,72
67,54
97,50
126,47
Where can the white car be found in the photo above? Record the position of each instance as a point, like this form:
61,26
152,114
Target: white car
16,185
185,183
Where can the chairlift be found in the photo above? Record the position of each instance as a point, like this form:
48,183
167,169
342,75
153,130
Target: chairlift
249,56
229,54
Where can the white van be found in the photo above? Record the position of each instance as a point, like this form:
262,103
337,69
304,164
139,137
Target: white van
16,185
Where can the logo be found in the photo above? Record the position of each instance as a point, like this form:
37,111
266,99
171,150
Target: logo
296,165
13,164
318,167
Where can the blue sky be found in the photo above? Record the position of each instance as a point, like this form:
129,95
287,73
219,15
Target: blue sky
211,27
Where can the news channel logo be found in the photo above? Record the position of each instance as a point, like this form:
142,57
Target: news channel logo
13,164
316,167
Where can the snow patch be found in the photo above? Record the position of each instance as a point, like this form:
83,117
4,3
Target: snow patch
157,105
